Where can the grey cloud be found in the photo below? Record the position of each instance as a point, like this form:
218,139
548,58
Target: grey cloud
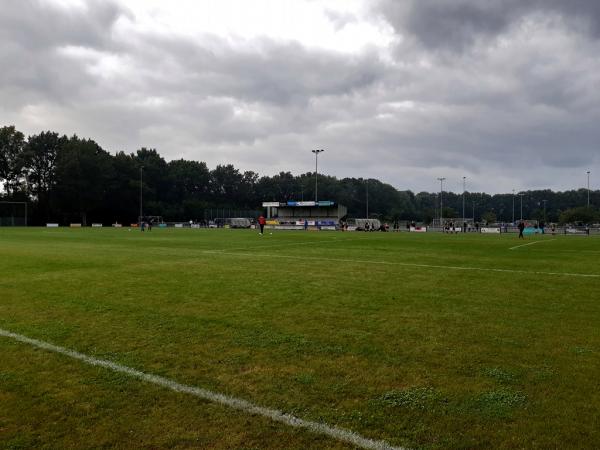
33,33
278,73
458,24
38,24
339,19
515,112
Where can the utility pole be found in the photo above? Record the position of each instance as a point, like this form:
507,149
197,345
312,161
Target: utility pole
588,199
513,199
463,199
544,211
521,195
441,180
367,187
141,194
316,152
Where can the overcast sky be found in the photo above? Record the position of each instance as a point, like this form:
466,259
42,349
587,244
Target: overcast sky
503,92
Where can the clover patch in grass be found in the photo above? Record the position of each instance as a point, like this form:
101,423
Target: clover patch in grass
500,375
413,398
499,402
305,378
582,351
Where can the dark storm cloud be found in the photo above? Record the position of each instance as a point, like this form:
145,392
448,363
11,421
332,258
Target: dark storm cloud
35,24
278,73
456,24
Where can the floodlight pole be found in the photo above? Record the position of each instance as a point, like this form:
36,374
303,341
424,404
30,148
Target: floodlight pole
521,195
316,152
367,187
588,179
441,180
544,211
463,199
513,199
141,194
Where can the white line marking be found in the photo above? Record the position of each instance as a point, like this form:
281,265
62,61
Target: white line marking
288,244
530,243
339,434
393,263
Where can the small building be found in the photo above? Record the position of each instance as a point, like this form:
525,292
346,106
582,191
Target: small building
324,215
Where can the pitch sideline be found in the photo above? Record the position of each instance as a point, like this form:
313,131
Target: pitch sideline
336,433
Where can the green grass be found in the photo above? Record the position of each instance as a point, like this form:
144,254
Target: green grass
332,327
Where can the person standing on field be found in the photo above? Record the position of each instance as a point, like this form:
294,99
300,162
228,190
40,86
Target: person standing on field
521,228
261,224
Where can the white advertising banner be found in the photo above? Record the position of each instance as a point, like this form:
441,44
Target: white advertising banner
490,230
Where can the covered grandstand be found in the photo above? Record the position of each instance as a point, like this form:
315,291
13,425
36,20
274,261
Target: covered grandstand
323,215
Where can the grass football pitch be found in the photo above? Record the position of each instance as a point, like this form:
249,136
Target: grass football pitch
416,340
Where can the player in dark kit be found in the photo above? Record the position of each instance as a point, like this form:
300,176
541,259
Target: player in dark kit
521,228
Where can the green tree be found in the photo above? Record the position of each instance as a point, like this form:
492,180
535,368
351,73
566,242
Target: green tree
123,201
225,185
581,214
83,171
449,213
11,148
489,217
39,163
156,183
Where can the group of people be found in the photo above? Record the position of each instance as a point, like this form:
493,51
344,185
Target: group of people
146,225
382,227
450,227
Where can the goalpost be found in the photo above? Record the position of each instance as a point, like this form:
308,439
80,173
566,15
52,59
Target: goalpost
13,214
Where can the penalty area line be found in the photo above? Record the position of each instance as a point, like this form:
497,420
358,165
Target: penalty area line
336,433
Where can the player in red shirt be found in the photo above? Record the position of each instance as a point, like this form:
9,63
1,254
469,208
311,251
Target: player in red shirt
261,223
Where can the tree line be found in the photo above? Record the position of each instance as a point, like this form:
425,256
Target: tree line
71,179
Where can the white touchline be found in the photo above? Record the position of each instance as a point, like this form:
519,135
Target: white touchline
339,434
530,243
395,263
